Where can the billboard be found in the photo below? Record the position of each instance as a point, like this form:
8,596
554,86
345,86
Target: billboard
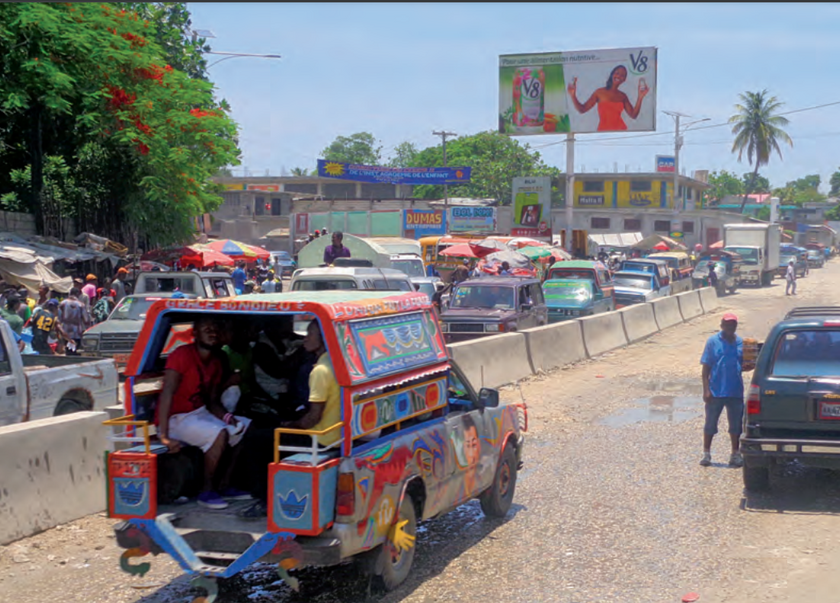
378,173
423,223
578,92
472,219
531,207
665,163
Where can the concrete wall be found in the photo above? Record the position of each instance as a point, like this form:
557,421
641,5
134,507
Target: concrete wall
52,472
497,359
555,345
603,332
639,322
667,312
18,223
708,299
690,305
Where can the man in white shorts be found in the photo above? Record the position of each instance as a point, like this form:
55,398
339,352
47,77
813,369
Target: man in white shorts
190,411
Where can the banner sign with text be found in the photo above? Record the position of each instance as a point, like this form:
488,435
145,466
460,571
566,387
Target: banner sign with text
472,219
423,223
378,173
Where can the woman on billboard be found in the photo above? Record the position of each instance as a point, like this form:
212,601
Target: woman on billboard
611,101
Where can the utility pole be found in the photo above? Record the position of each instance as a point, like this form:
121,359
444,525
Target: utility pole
443,134
678,142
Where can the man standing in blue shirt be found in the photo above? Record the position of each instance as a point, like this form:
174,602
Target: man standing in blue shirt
239,277
723,387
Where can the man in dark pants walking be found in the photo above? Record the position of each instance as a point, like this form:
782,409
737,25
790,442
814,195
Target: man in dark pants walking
723,387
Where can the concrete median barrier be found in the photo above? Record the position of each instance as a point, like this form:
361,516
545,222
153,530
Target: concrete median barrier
690,305
497,359
667,312
603,332
555,345
708,299
52,472
639,322
680,286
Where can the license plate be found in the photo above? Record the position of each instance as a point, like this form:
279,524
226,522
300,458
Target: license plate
830,410
122,359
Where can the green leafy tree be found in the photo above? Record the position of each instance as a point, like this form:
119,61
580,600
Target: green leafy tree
758,130
756,183
784,193
763,213
88,83
298,171
834,182
404,155
723,183
361,148
495,160
805,190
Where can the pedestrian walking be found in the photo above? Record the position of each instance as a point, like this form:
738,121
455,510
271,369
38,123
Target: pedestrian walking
72,321
118,284
790,277
723,387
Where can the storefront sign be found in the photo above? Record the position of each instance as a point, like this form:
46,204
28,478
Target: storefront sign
532,207
665,163
472,219
591,200
423,222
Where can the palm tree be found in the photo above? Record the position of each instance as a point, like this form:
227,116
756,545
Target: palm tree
758,131
299,172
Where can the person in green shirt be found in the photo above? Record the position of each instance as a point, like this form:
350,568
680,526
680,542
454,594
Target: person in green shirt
10,313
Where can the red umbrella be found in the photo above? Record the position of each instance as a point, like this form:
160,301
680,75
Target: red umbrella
716,245
467,250
662,246
204,256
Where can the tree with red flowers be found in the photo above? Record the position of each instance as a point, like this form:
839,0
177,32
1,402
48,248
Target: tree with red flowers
89,87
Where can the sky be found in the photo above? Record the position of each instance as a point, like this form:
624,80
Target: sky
401,71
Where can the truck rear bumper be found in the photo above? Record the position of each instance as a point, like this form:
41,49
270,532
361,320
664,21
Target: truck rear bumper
812,453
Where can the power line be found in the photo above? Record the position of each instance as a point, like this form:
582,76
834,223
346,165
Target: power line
718,125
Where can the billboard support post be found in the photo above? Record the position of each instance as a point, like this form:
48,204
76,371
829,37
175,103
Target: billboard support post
677,146
443,134
570,189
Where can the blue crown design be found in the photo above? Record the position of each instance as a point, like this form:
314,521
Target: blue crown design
291,507
131,493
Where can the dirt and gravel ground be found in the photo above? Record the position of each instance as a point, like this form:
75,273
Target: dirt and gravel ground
611,505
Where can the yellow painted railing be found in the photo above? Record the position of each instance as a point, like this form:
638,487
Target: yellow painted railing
128,421
315,434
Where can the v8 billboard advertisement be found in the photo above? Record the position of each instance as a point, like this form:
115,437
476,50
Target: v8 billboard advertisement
578,92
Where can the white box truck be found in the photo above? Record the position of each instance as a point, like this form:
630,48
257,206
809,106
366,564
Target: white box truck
758,244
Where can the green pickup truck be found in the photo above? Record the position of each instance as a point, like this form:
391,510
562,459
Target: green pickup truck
793,404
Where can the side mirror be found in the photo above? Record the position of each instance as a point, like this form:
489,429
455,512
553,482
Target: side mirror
488,398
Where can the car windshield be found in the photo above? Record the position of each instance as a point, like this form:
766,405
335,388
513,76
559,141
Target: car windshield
586,275
410,267
564,293
808,353
636,281
640,267
133,308
484,296
748,254
318,285
427,288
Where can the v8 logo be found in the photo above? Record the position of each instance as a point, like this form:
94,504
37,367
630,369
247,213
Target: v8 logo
639,63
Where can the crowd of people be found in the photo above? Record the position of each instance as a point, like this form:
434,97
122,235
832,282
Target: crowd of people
52,322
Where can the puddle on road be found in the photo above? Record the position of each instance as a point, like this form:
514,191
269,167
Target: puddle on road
658,409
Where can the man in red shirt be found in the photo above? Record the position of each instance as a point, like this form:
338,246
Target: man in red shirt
190,411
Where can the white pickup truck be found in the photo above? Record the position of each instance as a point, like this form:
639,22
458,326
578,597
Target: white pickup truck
36,387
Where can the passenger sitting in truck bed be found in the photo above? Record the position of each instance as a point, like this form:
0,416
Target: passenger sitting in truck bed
190,411
324,411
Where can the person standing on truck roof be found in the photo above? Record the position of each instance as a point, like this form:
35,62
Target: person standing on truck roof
190,411
790,277
336,250
723,387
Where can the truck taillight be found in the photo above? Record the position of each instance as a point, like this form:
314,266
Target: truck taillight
754,400
346,494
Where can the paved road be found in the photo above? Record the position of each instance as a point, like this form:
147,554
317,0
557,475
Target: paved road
611,506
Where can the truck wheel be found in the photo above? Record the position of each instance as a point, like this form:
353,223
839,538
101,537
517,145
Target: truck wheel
496,500
67,406
756,479
396,561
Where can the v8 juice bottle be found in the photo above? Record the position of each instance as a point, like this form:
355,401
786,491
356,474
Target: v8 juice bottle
529,97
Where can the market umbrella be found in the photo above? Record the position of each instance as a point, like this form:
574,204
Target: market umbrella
717,245
662,246
650,242
535,253
203,256
467,250
513,258
493,244
238,250
561,254
519,242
